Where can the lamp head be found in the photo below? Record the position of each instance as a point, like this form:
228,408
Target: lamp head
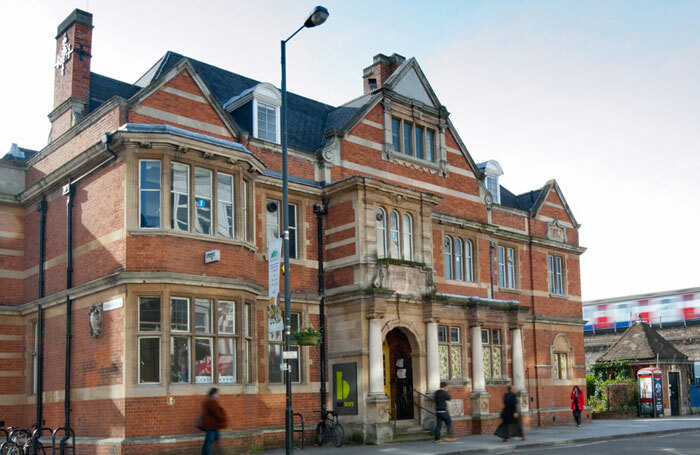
317,17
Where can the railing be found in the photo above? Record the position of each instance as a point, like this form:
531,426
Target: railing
416,403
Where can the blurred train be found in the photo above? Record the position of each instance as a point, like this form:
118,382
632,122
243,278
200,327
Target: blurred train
681,307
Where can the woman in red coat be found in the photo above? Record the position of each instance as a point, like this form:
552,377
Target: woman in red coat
577,403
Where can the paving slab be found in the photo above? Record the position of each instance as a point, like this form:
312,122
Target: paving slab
596,430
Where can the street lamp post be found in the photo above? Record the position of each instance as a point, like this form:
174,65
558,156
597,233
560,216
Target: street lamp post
317,17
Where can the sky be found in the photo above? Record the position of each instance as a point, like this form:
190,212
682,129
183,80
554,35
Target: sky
603,96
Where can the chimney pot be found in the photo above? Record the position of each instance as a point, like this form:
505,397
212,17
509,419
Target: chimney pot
379,71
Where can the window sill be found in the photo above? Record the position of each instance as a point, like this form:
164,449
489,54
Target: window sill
412,161
462,283
496,382
559,296
189,235
456,382
511,290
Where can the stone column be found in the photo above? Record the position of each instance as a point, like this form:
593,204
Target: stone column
376,369
516,335
518,364
479,396
478,381
432,355
377,427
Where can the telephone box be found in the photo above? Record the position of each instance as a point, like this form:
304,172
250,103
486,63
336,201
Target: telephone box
651,392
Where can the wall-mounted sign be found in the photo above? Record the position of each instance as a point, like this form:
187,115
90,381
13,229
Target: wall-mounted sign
113,304
345,388
212,256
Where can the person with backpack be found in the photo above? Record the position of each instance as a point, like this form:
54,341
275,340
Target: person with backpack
212,419
442,414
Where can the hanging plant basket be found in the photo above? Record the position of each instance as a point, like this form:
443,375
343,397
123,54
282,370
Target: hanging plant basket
307,337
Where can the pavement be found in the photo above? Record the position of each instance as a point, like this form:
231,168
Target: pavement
540,437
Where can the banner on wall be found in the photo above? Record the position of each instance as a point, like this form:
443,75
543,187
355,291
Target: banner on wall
274,256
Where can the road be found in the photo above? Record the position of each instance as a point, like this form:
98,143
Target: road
684,443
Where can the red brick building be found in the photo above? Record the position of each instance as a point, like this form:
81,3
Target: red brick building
433,270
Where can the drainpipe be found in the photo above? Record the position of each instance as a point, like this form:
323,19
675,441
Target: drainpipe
41,208
492,246
320,210
69,192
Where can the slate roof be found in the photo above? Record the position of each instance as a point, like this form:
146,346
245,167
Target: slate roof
18,154
103,88
525,201
642,343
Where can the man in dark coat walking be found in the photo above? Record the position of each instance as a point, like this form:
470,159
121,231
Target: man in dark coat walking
213,419
511,425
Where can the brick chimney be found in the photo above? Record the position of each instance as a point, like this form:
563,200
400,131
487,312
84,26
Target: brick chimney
379,71
71,72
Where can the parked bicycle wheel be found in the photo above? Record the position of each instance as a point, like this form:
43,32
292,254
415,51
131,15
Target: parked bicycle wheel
10,448
321,433
338,435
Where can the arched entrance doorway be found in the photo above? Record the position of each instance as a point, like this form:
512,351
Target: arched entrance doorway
398,374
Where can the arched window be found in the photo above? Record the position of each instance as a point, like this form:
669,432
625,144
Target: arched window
562,357
381,233
448,257
468,263
407,237
394,232
458,259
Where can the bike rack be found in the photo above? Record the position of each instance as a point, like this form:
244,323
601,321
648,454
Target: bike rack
36,434
7,435
303,434
67,434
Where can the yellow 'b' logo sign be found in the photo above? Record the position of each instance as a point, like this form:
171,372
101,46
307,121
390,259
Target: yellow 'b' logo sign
342,388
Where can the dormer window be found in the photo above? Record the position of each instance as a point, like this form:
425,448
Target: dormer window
492,186
258,110
492,170
267,122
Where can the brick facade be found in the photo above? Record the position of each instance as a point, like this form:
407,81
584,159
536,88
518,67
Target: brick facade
118,259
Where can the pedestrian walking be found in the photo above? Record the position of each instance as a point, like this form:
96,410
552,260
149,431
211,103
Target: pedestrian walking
511,425
213,419
577,403
442,414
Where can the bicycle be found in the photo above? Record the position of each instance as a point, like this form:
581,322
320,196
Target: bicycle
330,428
20,443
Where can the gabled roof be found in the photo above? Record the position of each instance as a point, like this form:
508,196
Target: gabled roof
552,185
641,342
306,118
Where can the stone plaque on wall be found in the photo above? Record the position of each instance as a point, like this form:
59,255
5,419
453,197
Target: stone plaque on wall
455,407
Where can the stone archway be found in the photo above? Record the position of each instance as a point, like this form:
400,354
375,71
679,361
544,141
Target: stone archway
399,374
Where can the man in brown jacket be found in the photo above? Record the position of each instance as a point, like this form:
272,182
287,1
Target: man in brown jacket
213,419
